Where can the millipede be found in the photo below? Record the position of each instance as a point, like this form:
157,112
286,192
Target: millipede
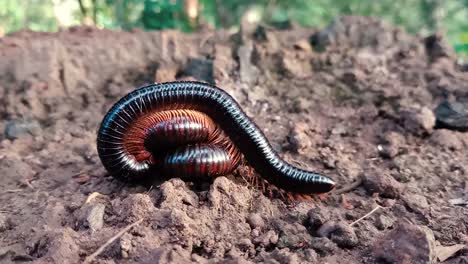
192,130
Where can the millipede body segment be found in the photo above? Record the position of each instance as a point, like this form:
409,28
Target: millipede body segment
192,130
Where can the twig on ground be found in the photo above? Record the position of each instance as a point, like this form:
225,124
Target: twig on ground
13,191
91,257
28,184
150,189
349,187
366,215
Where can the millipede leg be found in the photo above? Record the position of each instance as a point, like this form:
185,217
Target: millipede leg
300,197
270,192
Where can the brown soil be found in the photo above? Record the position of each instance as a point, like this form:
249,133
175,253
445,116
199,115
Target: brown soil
353,101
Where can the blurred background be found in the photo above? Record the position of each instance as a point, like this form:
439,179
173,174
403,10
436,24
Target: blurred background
417,16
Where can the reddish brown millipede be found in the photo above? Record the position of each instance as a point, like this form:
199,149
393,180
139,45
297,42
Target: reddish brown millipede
192,129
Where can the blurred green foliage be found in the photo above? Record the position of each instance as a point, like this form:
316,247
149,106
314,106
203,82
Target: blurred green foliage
15,16
417,16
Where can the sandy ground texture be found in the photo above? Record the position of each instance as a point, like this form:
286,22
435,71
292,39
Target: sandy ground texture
354,100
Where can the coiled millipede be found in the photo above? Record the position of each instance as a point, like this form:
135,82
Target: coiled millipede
192,130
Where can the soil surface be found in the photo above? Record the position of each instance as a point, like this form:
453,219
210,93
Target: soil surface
354,101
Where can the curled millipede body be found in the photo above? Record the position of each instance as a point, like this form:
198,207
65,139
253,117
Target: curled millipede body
190,130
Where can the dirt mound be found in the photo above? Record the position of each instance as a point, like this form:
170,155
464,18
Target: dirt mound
353,101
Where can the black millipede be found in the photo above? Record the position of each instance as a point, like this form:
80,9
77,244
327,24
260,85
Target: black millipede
191,130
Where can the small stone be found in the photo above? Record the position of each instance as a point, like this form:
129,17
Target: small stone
418,121
352,77
255,221
416,202
317,217
310,255
406,244
298,139
5,223
245,243
344,236
16,128
125,245
323,246
327,228
255,233
292,235
95,217
340,233
452,115
386,151
381,183
339,129
267,239
383,222
391,144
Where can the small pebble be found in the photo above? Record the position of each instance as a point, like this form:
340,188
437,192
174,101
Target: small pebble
255,233
255,221
452,115
292,235
327,228
298,139
418,121
245,243
310,255
416,202
4,223
380,182
317,217
16,128
267,239
383,222
95,217
323,246
406,244
344,236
